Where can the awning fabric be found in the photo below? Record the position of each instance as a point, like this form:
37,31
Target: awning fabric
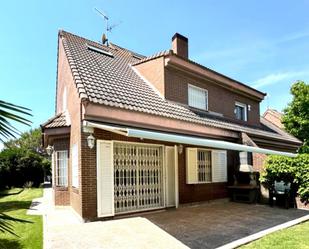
183,139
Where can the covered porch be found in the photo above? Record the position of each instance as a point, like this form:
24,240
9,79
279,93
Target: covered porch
141,170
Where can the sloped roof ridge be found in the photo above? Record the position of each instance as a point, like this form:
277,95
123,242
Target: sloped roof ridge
78,81
154,56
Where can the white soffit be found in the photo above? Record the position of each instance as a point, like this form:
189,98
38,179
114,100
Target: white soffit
183,139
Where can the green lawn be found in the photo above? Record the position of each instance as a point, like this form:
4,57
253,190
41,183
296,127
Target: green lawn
16,203
296,237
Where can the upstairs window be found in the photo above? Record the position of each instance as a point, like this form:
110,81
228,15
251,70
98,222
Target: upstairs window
240,111
197,97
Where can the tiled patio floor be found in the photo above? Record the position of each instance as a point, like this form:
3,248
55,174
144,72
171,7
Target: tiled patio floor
217,223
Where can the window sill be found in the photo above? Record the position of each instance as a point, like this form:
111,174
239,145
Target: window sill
75,190
61,188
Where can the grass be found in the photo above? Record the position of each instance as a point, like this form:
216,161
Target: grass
296,237
15,203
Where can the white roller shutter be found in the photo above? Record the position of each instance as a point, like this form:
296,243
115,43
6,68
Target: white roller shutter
191,166
105,178
219,166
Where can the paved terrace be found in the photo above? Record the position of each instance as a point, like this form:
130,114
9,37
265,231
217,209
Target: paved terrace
214,224
207,225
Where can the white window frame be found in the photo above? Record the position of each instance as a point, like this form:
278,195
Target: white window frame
192,176
245,110
64,182
200,89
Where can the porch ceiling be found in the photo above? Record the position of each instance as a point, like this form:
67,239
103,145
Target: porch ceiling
181,139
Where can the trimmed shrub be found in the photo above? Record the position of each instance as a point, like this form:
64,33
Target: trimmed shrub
287,169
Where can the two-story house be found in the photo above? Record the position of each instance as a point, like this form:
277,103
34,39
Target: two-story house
134,133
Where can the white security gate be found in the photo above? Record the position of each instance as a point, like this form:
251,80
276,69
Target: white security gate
138,177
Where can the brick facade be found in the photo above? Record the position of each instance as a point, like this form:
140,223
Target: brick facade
66,89
220,99
187,193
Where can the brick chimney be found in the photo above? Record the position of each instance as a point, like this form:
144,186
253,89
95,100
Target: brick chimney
180,45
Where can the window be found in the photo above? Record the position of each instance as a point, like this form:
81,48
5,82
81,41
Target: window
241,111
62,168
99,50
205,166
197,97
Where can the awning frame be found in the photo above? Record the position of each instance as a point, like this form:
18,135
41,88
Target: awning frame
183,139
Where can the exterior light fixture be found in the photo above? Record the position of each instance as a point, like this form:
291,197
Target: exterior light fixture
180,149
49,149
90,141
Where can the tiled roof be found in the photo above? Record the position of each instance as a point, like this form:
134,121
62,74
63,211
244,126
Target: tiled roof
111,81
60,120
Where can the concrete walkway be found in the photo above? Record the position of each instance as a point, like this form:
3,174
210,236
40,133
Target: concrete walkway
63,230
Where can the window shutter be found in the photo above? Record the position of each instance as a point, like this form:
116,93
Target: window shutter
170,176
105,178
74,164
191,164
219,166
243,157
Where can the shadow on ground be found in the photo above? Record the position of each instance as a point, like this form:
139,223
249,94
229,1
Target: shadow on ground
9,244
14,205
8,192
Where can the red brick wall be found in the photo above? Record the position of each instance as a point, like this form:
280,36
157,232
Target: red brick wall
187,193
65,80
220,100
258,161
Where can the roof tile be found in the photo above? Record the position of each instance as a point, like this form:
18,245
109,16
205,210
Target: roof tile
111,81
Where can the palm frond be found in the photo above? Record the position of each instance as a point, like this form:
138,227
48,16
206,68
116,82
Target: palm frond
6,223
12,113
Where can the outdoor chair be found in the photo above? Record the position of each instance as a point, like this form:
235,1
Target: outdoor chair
280,191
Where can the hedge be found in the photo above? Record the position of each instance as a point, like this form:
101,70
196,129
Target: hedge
287,169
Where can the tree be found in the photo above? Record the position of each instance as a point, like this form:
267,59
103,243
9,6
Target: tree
29,140
8,113
296,114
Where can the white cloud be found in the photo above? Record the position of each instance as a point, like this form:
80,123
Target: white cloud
272,79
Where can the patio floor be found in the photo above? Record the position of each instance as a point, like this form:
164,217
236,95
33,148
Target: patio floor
207,225
214,224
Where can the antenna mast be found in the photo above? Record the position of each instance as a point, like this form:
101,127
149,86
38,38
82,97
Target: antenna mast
108,27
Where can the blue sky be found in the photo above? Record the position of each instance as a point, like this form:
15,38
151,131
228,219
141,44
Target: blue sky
262,43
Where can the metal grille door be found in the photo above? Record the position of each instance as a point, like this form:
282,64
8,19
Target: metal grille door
138,177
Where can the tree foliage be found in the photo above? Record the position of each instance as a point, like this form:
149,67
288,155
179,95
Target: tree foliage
30,140
287,169
18,166
296,114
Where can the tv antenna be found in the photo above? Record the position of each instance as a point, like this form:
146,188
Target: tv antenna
108,28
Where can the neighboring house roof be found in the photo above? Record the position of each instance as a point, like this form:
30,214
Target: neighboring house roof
59,120
274,117
108,78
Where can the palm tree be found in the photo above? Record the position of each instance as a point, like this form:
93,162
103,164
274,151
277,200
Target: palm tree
8,113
